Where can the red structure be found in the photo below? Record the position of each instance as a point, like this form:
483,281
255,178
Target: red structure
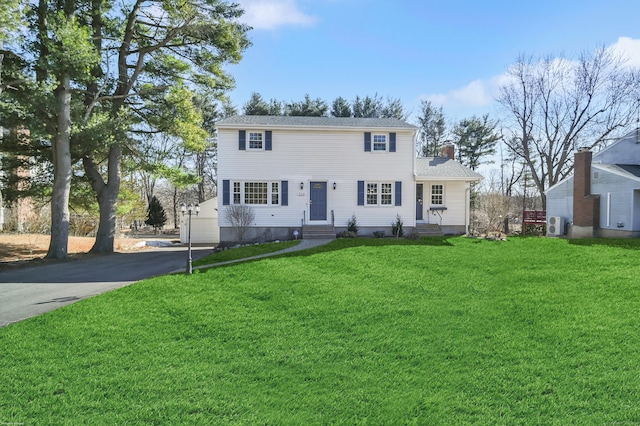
533,217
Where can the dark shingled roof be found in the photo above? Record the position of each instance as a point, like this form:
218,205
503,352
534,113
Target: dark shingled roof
443,168
293,121
624,169
634,169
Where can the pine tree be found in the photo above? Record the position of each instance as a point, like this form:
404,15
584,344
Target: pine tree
156,215
476,139
433,129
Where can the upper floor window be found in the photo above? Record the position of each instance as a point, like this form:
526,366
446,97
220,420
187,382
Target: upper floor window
379,142
255,140
437,195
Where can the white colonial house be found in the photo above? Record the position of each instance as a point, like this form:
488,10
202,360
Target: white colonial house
602,197
308,176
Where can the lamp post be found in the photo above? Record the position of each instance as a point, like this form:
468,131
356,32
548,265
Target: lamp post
190,209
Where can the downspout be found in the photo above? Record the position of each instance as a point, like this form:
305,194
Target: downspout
415,177
467,207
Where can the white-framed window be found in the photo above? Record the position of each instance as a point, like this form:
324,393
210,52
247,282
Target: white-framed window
379,194
275,193
437,195
379,142
372,193
256,140
237,195
256,193
386,194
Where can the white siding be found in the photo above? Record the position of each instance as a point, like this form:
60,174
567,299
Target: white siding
204,226
330,156
455,201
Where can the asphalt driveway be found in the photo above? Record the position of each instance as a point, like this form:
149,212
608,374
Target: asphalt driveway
29,291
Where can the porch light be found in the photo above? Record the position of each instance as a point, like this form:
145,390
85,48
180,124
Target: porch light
334,186
301,185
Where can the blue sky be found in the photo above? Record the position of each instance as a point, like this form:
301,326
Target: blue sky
451,52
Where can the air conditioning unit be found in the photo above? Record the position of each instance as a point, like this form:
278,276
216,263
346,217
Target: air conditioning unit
555,226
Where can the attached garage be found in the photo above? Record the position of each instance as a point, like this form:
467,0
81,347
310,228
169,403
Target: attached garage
204,226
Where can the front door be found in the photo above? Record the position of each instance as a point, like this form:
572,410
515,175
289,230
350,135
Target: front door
318,201
419,201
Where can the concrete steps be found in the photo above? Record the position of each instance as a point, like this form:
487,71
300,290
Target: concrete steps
318,232
429,230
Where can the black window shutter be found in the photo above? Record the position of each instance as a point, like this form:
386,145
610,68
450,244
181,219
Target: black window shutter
284,193
398,193
392,142
267,140
367,141
361,193
226,196
242,140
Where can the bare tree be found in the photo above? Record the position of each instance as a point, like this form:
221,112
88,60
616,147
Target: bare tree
493,205
240,217
558,105
512,169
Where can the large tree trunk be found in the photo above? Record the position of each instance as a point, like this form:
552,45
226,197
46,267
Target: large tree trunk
58,247
107,194
105,237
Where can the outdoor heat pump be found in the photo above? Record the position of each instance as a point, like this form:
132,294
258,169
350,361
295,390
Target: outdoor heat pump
555,226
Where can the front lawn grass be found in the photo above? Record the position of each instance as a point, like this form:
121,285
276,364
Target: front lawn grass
245,252
438,331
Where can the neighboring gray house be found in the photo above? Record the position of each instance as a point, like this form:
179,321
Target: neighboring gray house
602,198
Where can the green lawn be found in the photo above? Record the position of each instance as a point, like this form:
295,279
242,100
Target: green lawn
380,331
245,252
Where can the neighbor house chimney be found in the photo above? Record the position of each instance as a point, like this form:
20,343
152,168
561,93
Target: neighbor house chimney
586,206
448,150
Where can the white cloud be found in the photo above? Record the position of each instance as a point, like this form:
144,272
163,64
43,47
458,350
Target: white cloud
478,93
629,49
271,14
482,92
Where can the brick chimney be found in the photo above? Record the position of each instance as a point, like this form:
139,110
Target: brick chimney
448,150
586,206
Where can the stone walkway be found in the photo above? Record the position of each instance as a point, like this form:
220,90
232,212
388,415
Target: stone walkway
304,245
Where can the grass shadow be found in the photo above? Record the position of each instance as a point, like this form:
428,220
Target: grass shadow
346,243
623,243
341,244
